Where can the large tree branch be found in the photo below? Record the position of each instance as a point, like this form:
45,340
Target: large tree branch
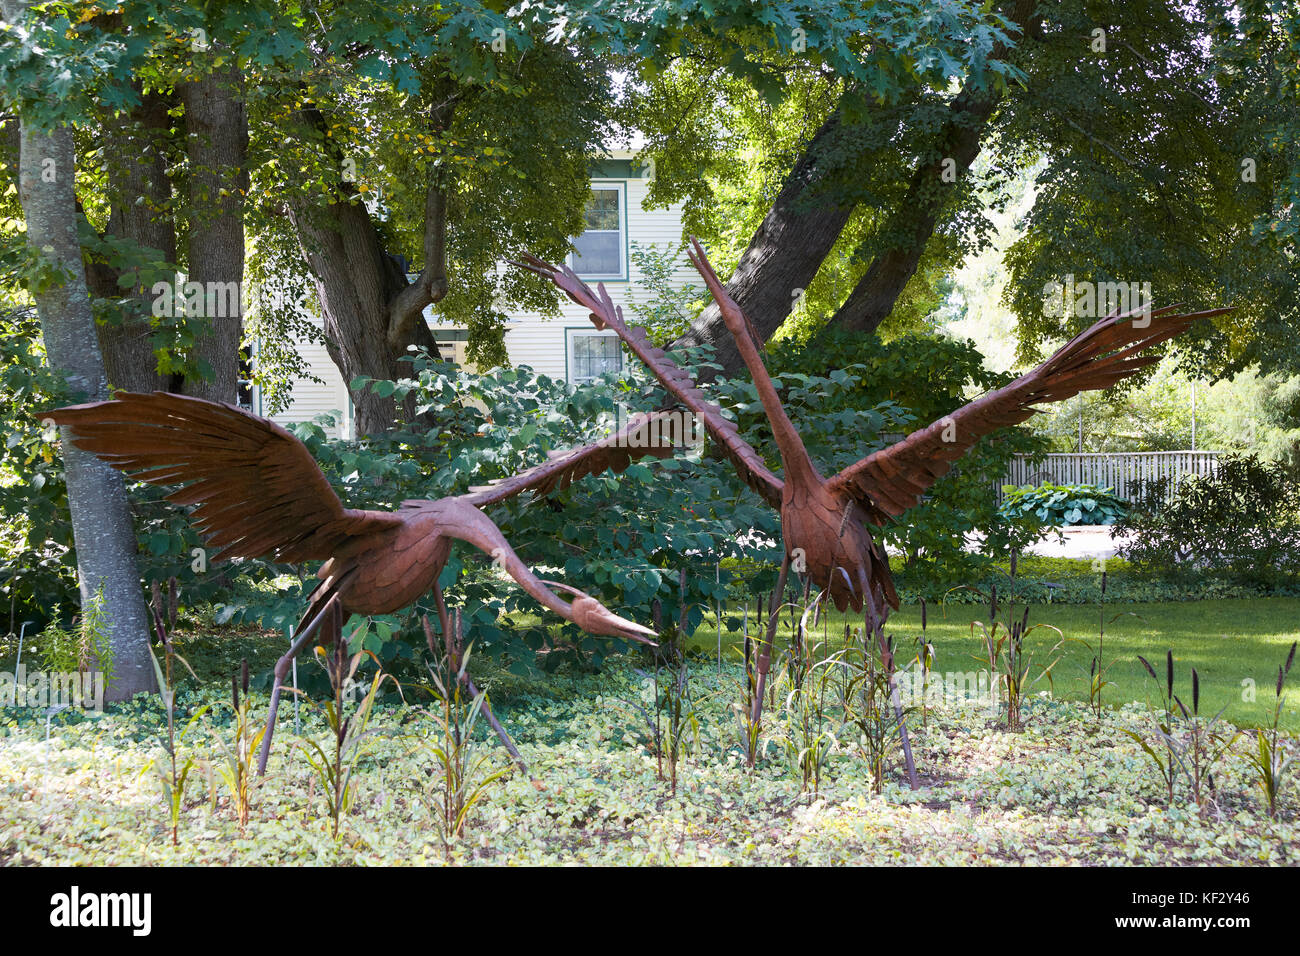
912,222
783,256
371,314
431,285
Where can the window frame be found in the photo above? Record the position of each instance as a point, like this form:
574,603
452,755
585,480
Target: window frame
620,187
455,339
571,334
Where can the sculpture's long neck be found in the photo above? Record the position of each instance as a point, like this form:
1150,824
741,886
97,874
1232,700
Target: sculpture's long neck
795,461
531,583
461,520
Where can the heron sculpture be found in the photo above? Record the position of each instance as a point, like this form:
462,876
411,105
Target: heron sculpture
826,522
258,493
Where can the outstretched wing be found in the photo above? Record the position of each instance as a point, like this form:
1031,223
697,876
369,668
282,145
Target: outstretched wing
676,380
657,435
889,481
256,488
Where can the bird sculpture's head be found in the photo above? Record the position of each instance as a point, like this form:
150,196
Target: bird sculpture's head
594,618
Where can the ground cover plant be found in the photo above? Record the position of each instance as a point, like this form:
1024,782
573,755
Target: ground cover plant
1070,788
1074,784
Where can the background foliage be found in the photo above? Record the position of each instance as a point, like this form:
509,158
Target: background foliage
1240,524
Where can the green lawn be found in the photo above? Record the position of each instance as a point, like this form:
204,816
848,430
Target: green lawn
1227,641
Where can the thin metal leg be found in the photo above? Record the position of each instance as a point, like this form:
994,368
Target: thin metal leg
765,653
281,669
453,651
877,623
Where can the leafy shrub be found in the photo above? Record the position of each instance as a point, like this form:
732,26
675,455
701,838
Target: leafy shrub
1241,524
36,568
1062,504
884,390
80,648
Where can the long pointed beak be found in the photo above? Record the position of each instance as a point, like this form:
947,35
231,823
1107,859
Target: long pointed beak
594,618
615,626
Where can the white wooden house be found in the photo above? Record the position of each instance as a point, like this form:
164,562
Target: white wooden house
565,345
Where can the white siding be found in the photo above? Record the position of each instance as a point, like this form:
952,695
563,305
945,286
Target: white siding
531,339
310,399
540,341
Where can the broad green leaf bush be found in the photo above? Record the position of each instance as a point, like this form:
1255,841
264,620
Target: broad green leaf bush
1068,504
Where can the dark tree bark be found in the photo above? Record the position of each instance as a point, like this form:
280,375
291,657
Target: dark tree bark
801,229
216,127
372,314
783,256
101,520
913,221
140,212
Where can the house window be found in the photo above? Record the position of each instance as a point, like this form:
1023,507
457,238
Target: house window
451,345
599,249
592,354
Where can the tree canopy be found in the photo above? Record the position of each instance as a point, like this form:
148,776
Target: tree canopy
1163,138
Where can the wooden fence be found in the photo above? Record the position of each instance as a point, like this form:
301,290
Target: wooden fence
1118,470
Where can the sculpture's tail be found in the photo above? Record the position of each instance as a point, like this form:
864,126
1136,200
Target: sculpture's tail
330,587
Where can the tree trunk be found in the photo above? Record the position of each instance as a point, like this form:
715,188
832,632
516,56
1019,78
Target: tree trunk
216,128
101,519
913,221
372,315
140,212
782,257
359,286
137,167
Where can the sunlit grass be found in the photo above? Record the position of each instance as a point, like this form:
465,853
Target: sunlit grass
1230,642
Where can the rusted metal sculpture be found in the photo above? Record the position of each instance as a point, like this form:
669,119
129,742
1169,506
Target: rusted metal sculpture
825,522
258,493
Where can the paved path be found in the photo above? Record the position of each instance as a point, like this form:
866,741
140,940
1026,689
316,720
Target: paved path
1085,542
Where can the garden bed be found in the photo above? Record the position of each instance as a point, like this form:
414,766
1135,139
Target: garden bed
1071,788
